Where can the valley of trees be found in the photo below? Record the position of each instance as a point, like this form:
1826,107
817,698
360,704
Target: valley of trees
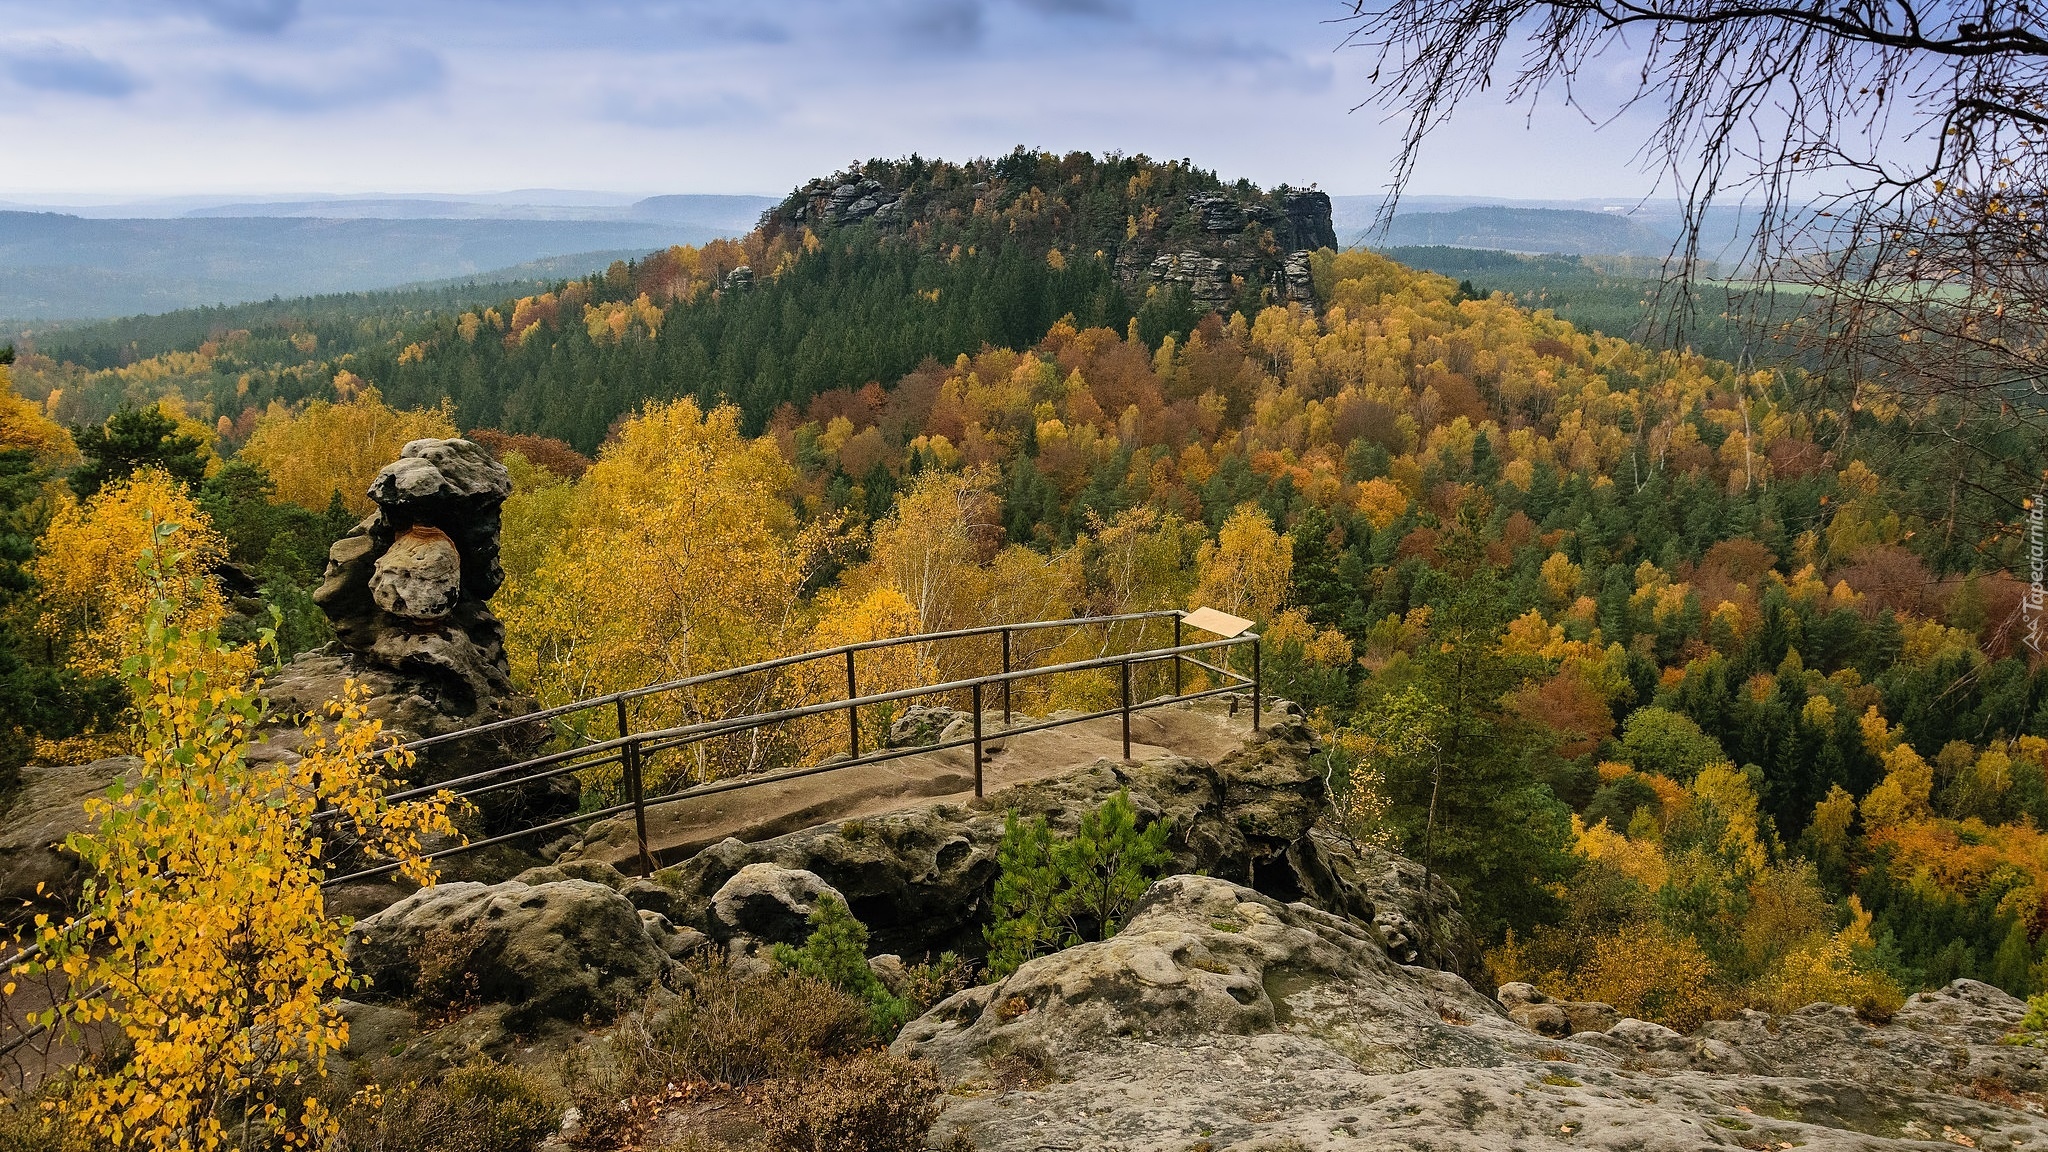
1718,680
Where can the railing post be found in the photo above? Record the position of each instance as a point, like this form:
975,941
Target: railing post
852,714
1125,667
977,740
632,752
1006,675
1258,684
629,763
1176,655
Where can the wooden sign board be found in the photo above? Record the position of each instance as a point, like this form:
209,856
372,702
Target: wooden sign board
1220,623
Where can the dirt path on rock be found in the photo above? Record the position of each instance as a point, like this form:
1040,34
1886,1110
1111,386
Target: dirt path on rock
1205,730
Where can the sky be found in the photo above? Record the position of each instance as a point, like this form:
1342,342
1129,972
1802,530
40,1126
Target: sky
142,98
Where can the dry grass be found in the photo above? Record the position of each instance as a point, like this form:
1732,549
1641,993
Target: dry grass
478,1107
872,1102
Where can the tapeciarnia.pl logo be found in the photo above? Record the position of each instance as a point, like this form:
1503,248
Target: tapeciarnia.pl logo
2036,602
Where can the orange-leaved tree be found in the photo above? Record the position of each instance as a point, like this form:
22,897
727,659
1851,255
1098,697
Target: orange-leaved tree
201,940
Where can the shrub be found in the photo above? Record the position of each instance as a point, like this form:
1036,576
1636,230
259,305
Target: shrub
1055,892
478,1107
837,953
27,1126
874,1102
446,963
732,1029
924,985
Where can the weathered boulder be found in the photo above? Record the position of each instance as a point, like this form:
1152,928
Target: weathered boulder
419,578
1222,1018
562,950
922,724
768,904
1540,1014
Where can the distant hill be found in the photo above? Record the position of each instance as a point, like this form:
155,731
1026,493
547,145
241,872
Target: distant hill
56,266
1540,230
726,215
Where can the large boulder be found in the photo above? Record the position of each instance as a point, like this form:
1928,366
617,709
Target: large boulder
769,904
1540,1014
564,950
419,578
1222,1018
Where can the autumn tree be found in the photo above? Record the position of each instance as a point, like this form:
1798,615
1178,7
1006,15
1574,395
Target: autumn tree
677,553
202,938
1464,794
1245,570
328,448
38,697
93,598
1888,156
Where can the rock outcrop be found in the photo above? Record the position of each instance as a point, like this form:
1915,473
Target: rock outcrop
1222,1018
919,878
564,949
36,872
408,589
1216,244
765,904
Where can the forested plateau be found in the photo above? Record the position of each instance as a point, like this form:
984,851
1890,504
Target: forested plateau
1721,679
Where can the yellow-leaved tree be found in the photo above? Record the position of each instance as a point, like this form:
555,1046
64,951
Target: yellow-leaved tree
202,940
24,428
94,598
1246,570
677,553
314,452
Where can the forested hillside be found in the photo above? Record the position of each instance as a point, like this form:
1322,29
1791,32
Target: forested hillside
990,252
1719,685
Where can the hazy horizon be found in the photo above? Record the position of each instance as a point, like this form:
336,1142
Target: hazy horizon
119,100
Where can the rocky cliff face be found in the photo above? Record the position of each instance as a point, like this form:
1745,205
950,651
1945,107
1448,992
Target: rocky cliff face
920,878
1300,995
1216,243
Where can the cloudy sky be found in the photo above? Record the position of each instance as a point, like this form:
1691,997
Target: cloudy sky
153,97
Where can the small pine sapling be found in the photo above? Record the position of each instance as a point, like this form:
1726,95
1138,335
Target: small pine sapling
837,953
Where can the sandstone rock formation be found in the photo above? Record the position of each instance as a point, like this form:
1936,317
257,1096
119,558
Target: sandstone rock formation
1547,1017
561,950
919,878
1256,241
36,872
1221,1018
408,588
767,904
408,592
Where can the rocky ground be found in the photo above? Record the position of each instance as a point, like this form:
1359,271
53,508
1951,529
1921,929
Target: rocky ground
1291,998
1223,1019
1283,990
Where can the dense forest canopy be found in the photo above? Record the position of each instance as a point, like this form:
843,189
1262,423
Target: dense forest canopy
1722,687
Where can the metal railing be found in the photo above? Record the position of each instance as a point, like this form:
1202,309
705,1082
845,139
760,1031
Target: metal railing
631,750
